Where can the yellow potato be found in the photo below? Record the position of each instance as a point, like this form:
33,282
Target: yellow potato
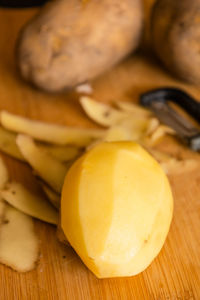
50,133
116,209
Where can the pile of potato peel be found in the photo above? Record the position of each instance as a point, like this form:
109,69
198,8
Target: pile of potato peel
50,150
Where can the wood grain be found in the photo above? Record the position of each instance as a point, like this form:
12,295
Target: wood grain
175,273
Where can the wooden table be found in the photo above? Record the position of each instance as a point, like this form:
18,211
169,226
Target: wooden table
60,274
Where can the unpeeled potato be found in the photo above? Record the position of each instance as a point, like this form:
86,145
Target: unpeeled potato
175,34
72,41
116,209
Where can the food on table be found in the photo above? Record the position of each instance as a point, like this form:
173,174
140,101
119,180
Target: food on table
175,33
71,42
46,166
116,209
51,161
33,205
51,133
19,244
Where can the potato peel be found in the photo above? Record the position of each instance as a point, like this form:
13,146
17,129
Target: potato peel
51,133
178,167
135,127
8,144
61,153
171,165
117,133
33,205
134,109
152,126
53,197
4,177
19,245
101,113
2,209
48,168
159,133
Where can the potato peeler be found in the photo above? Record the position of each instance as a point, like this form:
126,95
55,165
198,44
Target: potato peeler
160,100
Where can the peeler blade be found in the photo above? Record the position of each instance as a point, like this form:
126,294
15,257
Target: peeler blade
157,101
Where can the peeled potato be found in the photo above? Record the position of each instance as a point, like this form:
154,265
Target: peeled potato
116,209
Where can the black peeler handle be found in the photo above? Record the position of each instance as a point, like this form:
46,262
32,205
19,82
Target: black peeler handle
174,95
21,3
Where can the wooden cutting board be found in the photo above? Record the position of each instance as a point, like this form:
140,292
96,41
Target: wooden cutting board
60,274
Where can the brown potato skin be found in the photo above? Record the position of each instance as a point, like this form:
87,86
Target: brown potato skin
175,34
72,41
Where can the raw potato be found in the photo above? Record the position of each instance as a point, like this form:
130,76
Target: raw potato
48,168
19,197
116,209
19,245
51,133
175,36
8,144
4,177
101,113
70,41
